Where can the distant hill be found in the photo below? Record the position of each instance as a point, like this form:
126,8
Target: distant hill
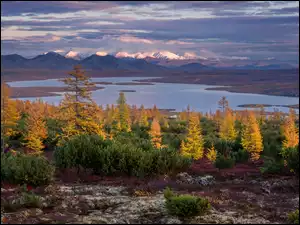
55,61
194,67
101,61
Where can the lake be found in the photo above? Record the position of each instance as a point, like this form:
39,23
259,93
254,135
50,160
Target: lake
165,95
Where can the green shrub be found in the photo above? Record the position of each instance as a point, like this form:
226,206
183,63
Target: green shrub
291,155
293,217
26,169
224,147
30,200
272,166
185,206
223,162
81,150
114,157
240,156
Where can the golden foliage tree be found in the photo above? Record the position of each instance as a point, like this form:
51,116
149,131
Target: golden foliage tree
211,154
227,129
290,131
155,112
9,113
155,134
251,137
143,118
193,145
78,108
36,130
123,113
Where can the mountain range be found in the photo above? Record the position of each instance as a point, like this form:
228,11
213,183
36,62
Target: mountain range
150,62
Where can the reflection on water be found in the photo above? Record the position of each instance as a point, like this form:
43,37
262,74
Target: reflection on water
168,96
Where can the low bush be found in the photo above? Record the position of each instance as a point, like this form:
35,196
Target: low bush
240,156
224,147
185,206
272,166
293,217
223,162
113,157
26,169
291,155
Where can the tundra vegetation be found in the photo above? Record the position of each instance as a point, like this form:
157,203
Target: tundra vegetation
127,140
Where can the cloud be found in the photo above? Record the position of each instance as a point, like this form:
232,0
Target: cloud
236,30
131,39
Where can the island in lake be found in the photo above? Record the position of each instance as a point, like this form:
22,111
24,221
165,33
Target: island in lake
296,106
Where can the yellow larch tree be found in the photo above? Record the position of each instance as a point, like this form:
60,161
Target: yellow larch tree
227,129
211,154
251,137
9,112
123,113
155,113
78,107
290,131
36,130
192,146
143,118
155,134
223,104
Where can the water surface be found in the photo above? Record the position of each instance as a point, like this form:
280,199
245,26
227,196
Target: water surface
165,95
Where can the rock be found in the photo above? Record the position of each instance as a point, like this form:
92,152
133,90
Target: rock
184,178
205,180
170,220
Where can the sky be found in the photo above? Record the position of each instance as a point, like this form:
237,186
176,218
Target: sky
237,30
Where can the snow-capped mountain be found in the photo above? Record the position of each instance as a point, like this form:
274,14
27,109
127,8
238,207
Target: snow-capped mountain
73,55
157,55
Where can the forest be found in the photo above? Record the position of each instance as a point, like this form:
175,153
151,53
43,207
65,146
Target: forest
39,140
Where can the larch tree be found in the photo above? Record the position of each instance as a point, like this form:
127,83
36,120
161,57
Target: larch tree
290,131
211,154
78,107
9,113
143,118
155,134
155,112
124,113
192,146
251,137
36,130
223,103
227,129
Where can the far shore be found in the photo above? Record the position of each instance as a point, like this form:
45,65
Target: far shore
296,106
36,92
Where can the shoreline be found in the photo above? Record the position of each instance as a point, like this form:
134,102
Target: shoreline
255,106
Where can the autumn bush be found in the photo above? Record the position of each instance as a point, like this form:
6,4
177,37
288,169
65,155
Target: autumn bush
26,169
115,157
185,206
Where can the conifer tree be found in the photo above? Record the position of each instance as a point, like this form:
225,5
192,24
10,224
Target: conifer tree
211,154
227,129
143,120
9,113
223,104
124,113
155,113
193,145
251,137
290,131
36,130
155,134
78,107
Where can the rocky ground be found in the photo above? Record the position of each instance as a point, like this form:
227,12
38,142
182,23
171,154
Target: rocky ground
240,200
